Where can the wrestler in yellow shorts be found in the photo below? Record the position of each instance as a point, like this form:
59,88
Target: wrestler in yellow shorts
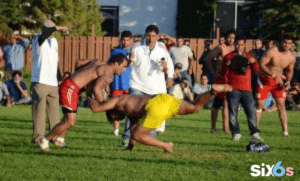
159,108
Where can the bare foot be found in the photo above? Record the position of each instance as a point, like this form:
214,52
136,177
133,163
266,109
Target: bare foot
213,130
57,143
226,131
217,88
169,148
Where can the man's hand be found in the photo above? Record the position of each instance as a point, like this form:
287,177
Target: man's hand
287,85
278,79
252,60
132,56
169,82
163,64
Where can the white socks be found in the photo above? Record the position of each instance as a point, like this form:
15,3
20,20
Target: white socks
45,143
116,132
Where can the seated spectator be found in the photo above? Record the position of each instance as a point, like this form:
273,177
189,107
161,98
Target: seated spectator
4,94
18,89
203,87
177,75
182,90
293,97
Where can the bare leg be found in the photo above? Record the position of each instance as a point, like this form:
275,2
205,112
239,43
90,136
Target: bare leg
259,107
214,116
141,134
225,117
116,124
67,122
282,114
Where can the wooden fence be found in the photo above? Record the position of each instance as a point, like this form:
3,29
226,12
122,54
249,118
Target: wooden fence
72,49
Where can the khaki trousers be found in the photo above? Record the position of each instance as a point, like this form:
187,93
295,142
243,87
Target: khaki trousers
45,99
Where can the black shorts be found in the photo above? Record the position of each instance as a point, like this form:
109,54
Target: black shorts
218,102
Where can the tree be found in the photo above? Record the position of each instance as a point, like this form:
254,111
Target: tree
278,17
81,16
195,18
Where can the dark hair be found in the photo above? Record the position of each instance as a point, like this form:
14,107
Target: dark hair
202,75
17,72
286,37
183,79
126,33
119,58
68,73
222,36
230,32
138,35
152,28
114,114
208,42
178,65
180,37
240,39
186,41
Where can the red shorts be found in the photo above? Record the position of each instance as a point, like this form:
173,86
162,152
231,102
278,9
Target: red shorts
69,94
116,93
269,85
223,94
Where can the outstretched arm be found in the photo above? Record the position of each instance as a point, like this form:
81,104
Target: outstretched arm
103,106
213,54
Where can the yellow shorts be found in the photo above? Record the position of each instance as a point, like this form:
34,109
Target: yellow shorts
159,108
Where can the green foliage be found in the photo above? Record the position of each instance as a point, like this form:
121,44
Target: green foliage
95,154
279,17
81,16
195,18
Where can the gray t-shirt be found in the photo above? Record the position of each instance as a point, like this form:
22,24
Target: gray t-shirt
200,89
3,90
181,54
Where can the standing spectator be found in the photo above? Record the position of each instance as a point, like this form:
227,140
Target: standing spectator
4,94
169,41
2,62
44,79
184,55
258,50
14,54
257,53
18,89
217,54
120,84
177,76
151,62
207,49
240,81
222,40
137,38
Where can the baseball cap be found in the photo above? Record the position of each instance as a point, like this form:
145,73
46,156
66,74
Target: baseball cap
48,23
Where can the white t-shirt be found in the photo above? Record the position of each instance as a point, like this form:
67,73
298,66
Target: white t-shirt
181,55
45,62
147,74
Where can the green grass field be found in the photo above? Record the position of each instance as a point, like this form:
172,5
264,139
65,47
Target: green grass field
95,154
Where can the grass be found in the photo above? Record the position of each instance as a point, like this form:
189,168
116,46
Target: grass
95,154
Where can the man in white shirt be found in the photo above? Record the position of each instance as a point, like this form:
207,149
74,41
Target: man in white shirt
44,79
184,55
151,62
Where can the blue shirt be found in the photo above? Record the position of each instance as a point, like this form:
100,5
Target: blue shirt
14,91
14,55
121,82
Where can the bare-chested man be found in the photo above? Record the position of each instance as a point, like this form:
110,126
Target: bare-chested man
148,112
93,73
220,100
272,65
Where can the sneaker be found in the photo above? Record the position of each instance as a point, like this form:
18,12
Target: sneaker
125,143
256,138
285,134
236,137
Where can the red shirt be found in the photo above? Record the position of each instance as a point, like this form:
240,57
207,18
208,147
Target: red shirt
235,80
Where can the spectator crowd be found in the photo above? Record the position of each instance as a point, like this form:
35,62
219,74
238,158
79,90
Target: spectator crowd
164,64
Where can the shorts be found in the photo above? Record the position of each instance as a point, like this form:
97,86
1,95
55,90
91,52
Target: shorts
220,96
269,85
159,108
116,93
218,102
69,95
